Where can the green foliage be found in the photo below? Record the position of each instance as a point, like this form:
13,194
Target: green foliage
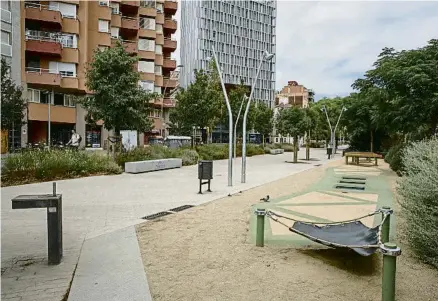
394,158
220,151
418,191
36,166
118,100
13,105
264,120
198,105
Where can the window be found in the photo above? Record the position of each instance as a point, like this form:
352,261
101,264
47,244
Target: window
158,70
145,44
160,7
159,28
6,37
104,2
147,23
58,99
33,95
147,3
158,49
103,25
68,40
69,100
67,10
115,32
115,8
45,97
147,85
157,90
65,69
146,66
155,113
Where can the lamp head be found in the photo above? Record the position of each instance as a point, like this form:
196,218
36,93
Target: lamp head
268,56
180,66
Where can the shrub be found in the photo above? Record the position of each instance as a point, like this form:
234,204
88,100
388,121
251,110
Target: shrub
40,165
137,154
418,191
189,157
394,158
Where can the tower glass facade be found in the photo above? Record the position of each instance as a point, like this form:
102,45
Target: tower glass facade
240,31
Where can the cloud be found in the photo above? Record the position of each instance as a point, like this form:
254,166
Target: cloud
327,45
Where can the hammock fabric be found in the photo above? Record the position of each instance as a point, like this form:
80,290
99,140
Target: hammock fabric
345,235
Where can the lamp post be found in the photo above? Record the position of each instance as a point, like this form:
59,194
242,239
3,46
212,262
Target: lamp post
265,56
164,95
230,122
333,131
336,126
236,123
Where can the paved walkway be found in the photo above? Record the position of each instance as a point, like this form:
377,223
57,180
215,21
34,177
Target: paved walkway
95,206
323,202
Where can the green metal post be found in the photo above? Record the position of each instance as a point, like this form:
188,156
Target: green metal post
260,234
390,253
385,226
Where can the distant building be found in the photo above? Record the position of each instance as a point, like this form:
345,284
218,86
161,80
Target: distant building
291,95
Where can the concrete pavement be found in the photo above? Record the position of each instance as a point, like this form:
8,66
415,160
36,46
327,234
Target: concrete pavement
95,206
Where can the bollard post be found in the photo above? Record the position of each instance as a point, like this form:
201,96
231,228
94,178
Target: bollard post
260,232
54,229
54,188
386,225
390,252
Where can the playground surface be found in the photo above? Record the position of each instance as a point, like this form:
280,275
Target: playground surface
208,252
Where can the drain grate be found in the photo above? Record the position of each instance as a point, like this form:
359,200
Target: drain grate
349,187
181,208
157,215
352,182
354,178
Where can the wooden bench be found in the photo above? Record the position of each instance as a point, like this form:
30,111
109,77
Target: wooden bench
276,151
152,165
357,155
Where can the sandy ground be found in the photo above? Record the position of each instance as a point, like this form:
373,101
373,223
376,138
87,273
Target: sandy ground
204,254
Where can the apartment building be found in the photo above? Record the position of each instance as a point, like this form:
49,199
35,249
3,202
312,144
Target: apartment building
10,45
240,31
59,39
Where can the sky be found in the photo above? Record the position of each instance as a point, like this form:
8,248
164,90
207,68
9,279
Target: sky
326,45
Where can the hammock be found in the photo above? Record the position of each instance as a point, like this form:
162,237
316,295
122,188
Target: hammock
351,234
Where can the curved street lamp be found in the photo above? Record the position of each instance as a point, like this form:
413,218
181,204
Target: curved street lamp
265,56
172,73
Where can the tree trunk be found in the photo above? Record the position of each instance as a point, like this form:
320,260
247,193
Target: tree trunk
308,147
372,140
263,141
295,149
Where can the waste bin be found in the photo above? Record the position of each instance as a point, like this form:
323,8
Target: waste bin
205,170
329,151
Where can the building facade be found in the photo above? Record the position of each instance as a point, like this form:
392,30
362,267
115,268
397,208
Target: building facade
292,95
240,31
59,38
10,46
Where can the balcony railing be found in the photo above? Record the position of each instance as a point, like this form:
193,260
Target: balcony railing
50,71
66,40
53,6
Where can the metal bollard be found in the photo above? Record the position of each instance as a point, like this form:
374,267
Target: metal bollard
260,234
386,225
390,252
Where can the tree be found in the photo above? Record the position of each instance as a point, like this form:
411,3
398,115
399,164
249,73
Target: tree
117,98
264,120
13,105
198,105
309,122
291,121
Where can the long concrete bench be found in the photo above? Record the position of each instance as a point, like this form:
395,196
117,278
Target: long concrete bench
152,165
276,151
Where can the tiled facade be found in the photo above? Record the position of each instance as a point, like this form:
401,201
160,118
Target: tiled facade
59,39
240,31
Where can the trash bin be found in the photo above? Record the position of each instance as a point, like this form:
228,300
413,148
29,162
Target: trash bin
205,170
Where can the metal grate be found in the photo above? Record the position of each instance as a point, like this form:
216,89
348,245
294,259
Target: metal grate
352,182
354,178
156,215
349,187
181,208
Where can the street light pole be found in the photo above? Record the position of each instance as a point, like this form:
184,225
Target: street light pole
230,123
337,123
266,56
236,123
330,125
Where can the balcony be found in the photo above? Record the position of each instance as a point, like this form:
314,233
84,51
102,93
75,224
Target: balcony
70,83
169,103
48,43
147,33
170,44
131,3
38,111
148,55
52,48
158,80
116,21
170,25
170,7
169,63
159,18
148,11
130,46
130,24
43,13
43,77
169,83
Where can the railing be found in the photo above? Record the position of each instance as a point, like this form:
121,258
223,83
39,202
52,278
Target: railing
129,18
54,7
146,3
50,71
66,40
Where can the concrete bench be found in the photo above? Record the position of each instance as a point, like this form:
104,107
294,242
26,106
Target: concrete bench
276,151
152,165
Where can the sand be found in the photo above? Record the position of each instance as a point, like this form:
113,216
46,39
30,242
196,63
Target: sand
204,253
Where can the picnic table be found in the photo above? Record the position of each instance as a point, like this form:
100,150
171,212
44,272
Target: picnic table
357,155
